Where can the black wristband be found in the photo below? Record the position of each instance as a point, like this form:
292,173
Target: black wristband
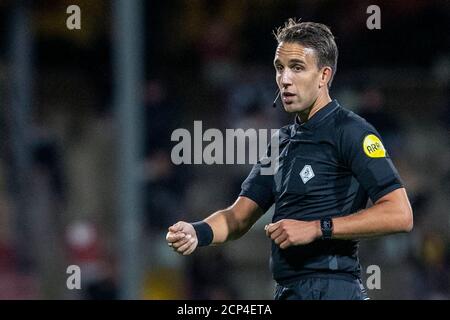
204,233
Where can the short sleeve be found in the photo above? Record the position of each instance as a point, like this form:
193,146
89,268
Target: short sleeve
258,185
365,155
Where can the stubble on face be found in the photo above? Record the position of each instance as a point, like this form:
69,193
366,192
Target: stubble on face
303,82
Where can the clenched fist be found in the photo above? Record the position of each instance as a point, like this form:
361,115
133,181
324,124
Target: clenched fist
182,238
289,232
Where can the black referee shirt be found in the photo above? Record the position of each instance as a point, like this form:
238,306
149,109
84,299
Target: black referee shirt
327,167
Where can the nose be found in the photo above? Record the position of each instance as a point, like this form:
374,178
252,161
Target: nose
285,79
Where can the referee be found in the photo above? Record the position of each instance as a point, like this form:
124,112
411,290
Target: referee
331,162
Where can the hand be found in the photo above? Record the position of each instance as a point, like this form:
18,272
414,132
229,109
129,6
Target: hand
182,238
289,232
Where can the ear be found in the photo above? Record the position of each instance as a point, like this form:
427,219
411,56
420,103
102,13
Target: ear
325,76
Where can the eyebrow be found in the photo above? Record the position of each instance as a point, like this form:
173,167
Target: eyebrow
277,61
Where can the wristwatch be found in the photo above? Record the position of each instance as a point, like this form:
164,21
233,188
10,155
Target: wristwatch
326,225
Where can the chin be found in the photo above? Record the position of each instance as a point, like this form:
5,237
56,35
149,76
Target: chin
291,108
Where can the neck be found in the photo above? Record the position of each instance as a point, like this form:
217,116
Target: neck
320,102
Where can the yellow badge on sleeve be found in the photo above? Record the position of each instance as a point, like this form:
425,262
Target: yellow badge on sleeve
373,147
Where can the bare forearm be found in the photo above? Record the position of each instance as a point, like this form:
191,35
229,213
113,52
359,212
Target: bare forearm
381,219
362,224
224,226
233,222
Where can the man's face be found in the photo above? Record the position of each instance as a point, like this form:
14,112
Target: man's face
297,76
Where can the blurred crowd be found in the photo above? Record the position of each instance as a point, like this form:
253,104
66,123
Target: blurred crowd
212,61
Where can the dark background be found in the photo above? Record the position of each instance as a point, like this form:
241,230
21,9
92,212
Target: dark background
208,61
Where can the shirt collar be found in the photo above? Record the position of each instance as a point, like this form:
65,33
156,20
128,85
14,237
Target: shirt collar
318,116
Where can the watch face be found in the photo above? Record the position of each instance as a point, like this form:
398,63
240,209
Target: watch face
327,228
327,224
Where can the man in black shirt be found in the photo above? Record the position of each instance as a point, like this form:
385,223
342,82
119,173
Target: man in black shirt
330,162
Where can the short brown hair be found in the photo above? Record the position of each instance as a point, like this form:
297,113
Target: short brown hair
313,35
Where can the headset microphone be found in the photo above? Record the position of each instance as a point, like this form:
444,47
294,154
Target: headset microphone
276,98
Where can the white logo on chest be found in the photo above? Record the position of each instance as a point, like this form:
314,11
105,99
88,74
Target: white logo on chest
307,173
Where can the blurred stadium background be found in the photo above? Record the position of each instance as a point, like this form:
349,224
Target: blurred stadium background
86,117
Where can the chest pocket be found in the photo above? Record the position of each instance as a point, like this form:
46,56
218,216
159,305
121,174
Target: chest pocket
303,176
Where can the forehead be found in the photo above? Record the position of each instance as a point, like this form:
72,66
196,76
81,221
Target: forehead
290,50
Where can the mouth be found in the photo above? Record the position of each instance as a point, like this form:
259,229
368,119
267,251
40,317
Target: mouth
288,97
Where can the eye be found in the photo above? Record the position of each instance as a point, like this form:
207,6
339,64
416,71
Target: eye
279,67
298,67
